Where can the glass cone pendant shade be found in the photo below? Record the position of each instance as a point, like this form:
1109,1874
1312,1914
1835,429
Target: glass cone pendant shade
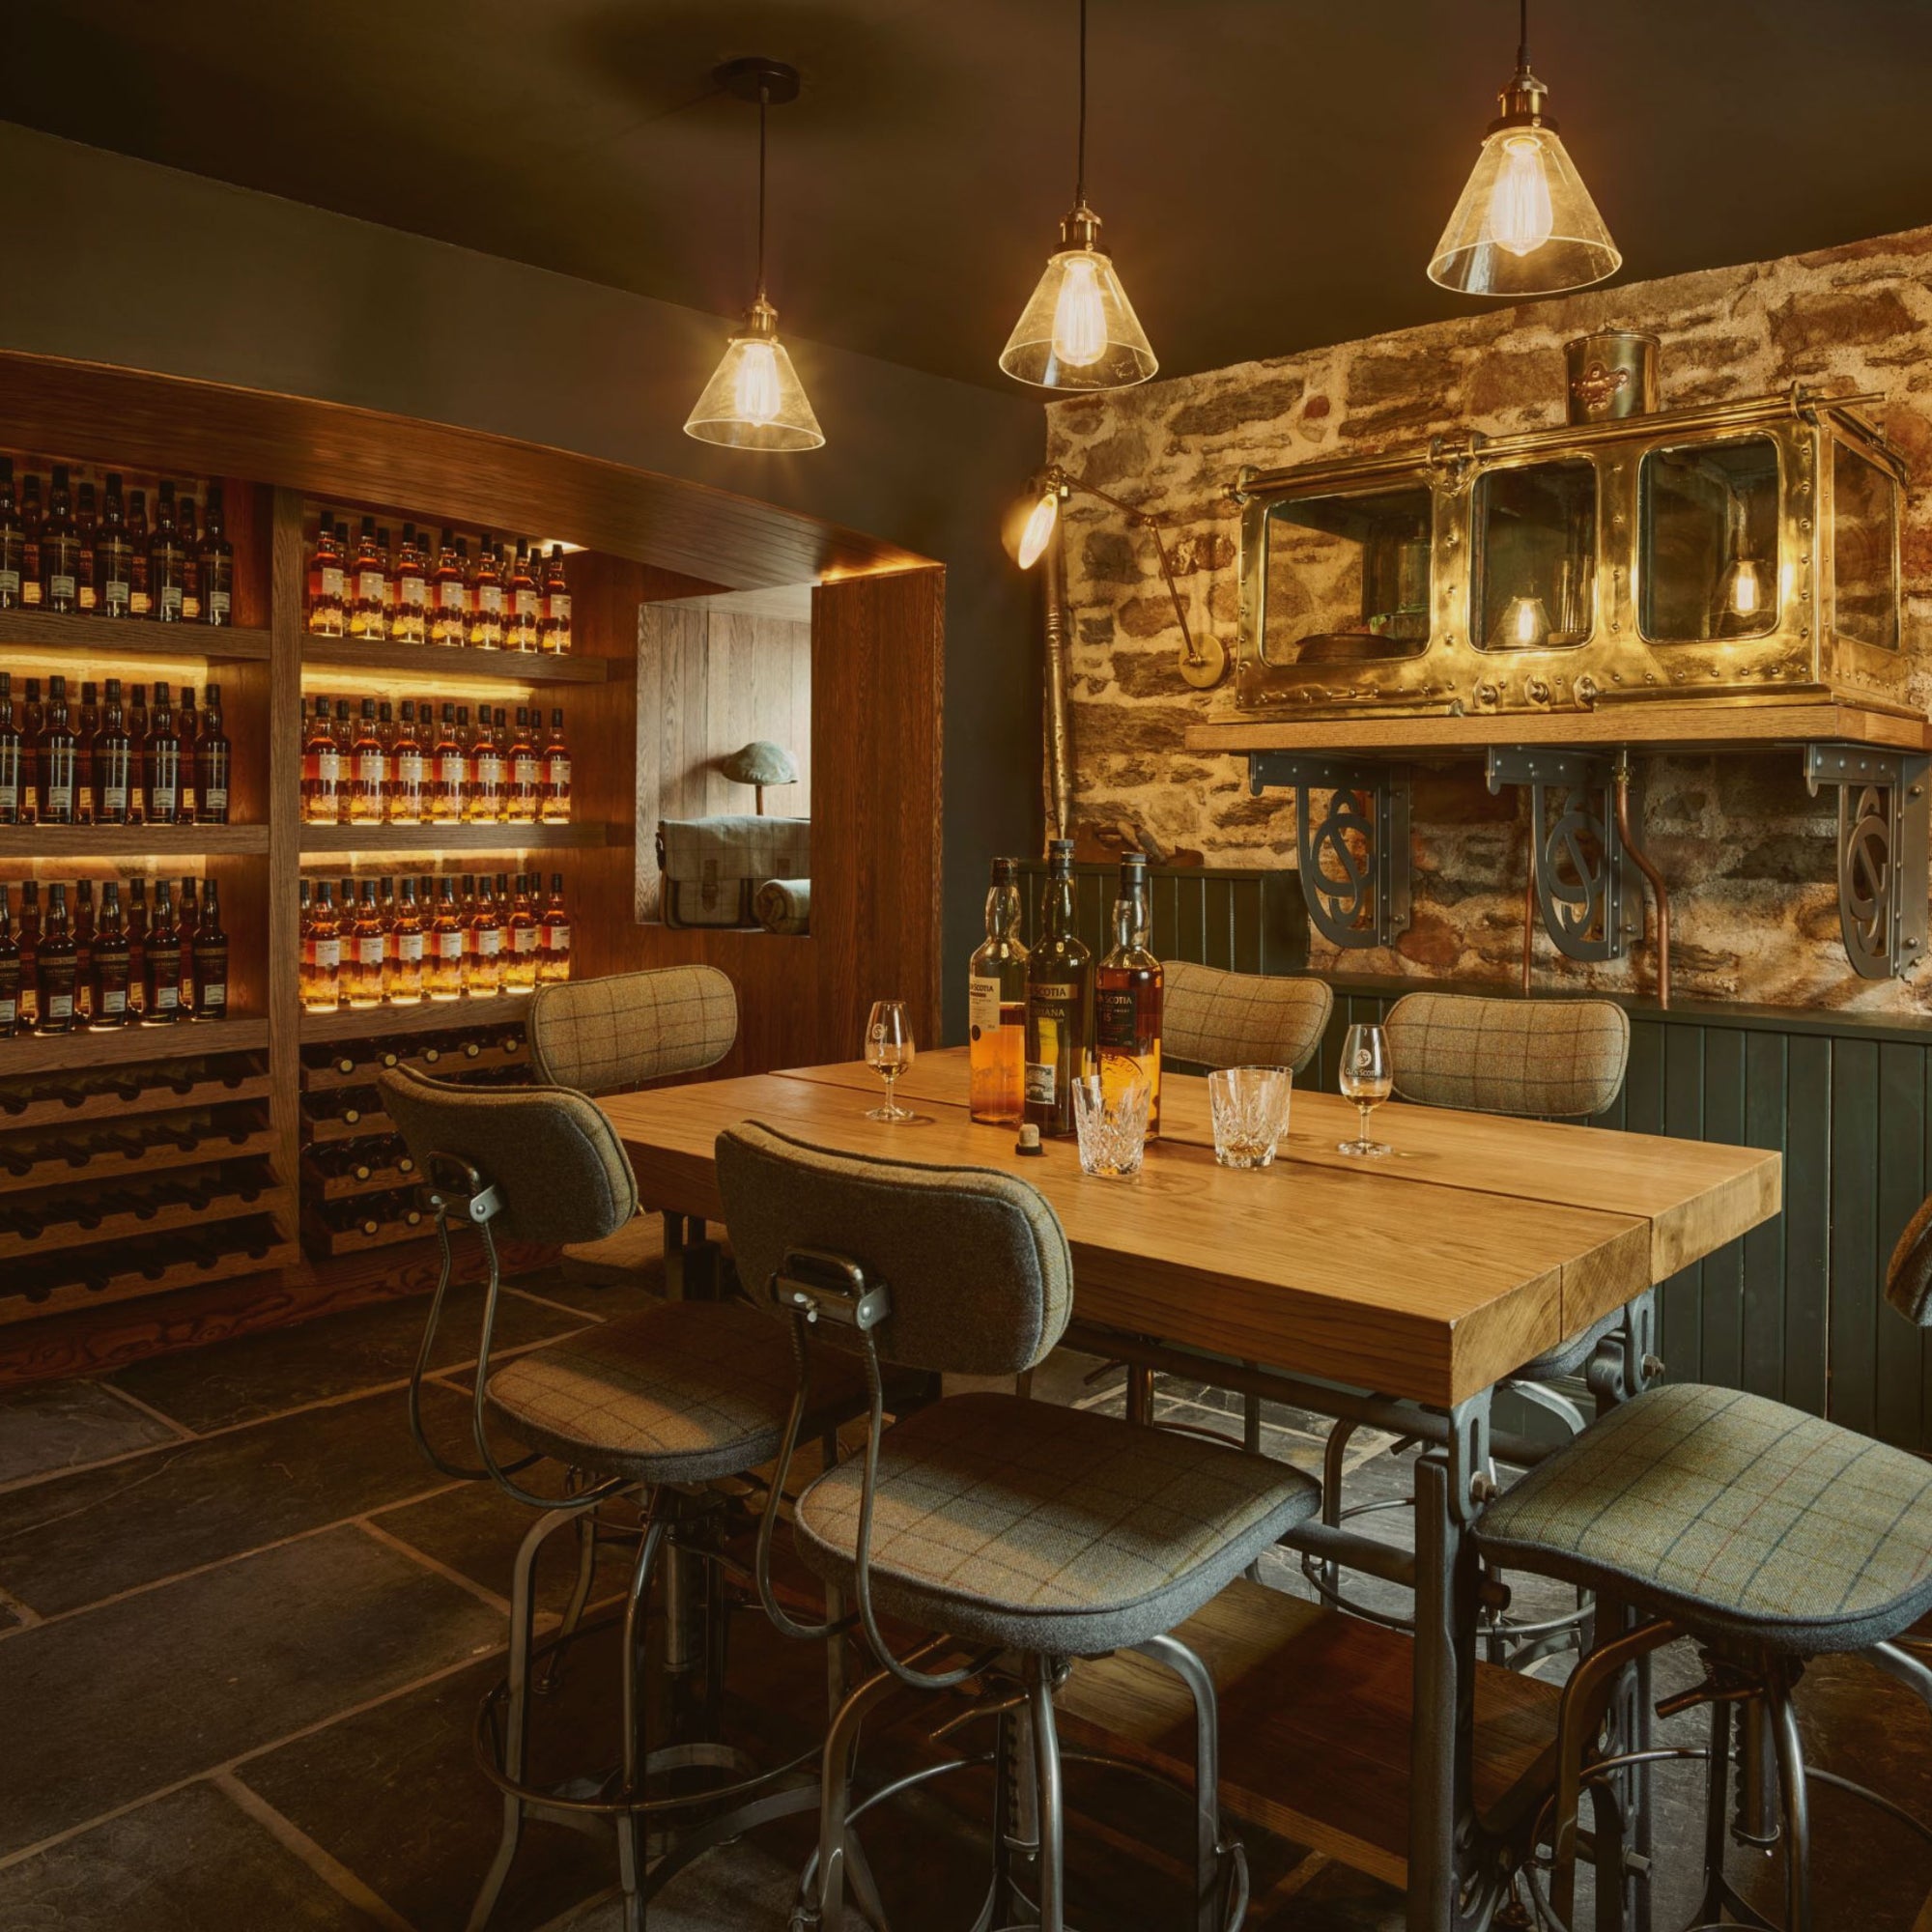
754,399
1079,331
1526,224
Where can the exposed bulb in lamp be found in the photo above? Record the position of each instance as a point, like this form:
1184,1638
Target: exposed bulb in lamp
1743,601
1039,529
1523,625
1080,314
1521,217
756,390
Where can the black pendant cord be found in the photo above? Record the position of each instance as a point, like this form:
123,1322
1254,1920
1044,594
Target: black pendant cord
1522,35
764,101
1080,153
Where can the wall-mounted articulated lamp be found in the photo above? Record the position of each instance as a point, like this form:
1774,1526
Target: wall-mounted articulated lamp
1203,661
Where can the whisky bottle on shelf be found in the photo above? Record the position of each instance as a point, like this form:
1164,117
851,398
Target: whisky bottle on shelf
1127,994
112,761
997,1006
486,599
33,718
1060,1003
405,949
167,562
86,730
57,965
322,770
187,728
33,590
9,969
449,773
448,942
83,950
12,540
214,755
60,547
486,771
87,520
523,602
321,951
160,764
523,792
211,959
29,936
522,935
11,755
365,958
556,803
140,604
113,553
56,754
448,595
187,917
137,739
215,565
409,622
368,769
555,627
407,769
327,583
366,584
110,963
138,924
161,962
190,540
554,940
483,958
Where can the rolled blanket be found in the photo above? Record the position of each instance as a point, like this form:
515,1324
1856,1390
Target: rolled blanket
785,905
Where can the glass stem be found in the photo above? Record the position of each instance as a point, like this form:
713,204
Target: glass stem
1362,1126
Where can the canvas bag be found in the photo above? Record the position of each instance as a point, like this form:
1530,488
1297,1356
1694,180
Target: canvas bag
713,866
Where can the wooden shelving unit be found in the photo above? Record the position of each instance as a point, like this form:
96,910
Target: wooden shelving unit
99,639
55,845
127,1046
430,663
506,838
432,1017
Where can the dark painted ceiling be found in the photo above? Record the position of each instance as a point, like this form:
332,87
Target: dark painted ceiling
1272,173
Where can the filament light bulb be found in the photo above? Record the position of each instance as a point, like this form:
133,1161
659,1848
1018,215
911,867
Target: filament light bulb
1521,217
1079,314
1746,597
756,390
1039,529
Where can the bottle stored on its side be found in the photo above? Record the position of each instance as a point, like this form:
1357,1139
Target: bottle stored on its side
1060,1003
211,960
997,1006
1127,994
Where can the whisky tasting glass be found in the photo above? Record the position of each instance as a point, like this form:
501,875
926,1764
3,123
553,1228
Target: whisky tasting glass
1367,1080
1250,1108
1111,1120
889,1049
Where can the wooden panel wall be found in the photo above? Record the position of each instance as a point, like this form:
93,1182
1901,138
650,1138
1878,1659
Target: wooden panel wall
712,675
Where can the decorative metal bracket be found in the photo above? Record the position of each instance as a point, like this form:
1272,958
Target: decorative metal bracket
1885,835
1354,856
1588,890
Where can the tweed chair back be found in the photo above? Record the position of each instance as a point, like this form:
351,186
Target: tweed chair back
1212,1018
976,1262
1547,1059
549,1152
603,1035
1908,1281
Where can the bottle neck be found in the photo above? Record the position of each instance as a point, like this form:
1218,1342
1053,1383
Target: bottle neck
1130,918
1003,913
1059,908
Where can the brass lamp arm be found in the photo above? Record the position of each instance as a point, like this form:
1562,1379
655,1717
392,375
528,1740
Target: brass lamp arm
1055,477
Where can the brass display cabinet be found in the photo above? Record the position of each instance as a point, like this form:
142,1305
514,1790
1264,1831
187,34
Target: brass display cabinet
1736,551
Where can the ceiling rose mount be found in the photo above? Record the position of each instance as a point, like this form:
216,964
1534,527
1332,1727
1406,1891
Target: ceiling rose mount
754,399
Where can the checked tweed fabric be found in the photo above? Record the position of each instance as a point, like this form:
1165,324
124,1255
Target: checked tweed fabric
602,1035
1053,1529
1733,1514
682,1393
1212,1018
1549,1059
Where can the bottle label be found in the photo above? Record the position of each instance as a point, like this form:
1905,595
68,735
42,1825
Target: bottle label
490,771
218,603
983,1005
214,995
216,798
489,942
9,1010
60,1005
555,936
61,587
559,774
526,603
325,955
1117,1020
370,949
171,600
325,768
449,946
167,995
114,800
409,948
10,584
449,769
412,591
372,767
113,1000
114,596
330,579
10,800
453,596
524,773
369,585
409,770
190,603
1039,1082
490,598
524,939
162,800
559,606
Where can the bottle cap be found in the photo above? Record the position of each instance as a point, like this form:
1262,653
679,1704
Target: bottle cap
1029,1140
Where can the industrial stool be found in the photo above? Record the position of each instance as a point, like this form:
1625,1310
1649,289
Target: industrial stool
1534,1059
1021,1534
653,1406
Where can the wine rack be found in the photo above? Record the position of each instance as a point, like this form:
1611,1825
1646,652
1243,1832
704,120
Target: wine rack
359,1186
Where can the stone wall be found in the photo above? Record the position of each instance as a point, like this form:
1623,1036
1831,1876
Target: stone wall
1749,857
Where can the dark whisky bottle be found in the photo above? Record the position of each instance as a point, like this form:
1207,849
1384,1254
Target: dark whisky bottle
60,547
13,784
167,563
213,754
56,964
32,586
9,969
215,565
161,963
113,555
1060,1003
160,764
211,960
57,756
12,541
1127,994
86,731
112,762
87,519
110,963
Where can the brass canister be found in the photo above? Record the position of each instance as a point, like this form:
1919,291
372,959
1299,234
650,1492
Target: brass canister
1611,373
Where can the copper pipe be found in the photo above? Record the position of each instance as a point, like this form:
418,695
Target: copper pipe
1658,890
1529,915
1056,712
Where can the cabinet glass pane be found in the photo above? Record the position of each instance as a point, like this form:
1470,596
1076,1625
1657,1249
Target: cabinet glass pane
1864,513
1709,561
1348,578
1536,556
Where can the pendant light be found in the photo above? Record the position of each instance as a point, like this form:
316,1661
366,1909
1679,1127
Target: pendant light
1525,225
1079,331
754,400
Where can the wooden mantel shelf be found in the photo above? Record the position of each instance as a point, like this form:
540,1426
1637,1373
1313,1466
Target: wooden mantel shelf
1713,725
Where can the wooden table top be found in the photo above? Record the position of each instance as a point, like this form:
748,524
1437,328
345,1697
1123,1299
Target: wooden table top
1431,1275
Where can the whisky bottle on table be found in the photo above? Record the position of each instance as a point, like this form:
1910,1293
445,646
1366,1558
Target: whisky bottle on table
997,1006
1060,1003
57,963
111,956
1127,994
211,959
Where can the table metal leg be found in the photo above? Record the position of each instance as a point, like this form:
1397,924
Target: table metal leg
1439,1807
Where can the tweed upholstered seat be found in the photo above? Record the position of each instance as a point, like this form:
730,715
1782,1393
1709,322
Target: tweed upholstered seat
1212,1018
1547,1058
681,1393
601,1036
1052,1529
1732,1514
